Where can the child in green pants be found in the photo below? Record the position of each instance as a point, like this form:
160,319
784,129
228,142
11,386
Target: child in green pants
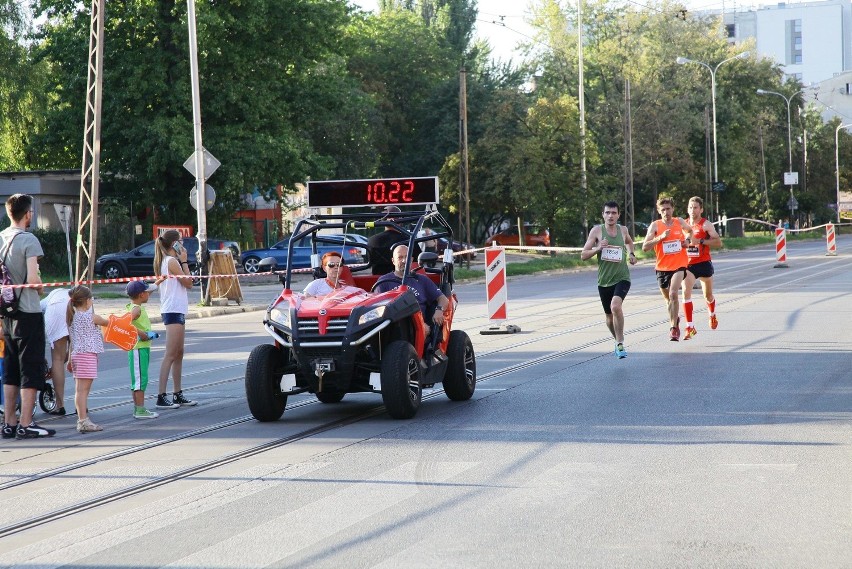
139,356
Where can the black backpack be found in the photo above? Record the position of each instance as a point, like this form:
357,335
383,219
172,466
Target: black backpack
9,297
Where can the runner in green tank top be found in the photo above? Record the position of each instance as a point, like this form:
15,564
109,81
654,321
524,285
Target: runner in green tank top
613,246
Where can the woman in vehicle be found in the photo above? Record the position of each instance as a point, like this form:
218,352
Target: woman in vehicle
332,264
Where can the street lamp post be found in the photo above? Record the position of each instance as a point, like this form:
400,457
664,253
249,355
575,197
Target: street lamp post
837,164
789,146
712,70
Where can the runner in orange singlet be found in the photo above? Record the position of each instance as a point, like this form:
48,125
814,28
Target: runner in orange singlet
667,237
704,236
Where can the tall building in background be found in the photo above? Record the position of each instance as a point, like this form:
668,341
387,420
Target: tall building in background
811,40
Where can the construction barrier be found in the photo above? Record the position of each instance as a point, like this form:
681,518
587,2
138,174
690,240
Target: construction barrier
780,248
496,292
830,240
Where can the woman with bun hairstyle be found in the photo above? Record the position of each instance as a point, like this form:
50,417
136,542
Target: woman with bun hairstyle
174,281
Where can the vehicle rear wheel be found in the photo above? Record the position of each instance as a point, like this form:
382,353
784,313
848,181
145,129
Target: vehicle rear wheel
112,271
47,398
460,380
250,264
401,390
263,389
330,396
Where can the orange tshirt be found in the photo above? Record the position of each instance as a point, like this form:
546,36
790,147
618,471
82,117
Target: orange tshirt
698,253
671,253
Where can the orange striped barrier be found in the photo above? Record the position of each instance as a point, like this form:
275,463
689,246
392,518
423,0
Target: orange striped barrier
830,240
780,248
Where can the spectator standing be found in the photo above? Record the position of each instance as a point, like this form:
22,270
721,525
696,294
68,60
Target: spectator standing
54,306
175,281
24,364
86,343
139,357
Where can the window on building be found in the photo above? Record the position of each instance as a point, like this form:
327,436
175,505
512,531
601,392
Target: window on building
793,33
731,29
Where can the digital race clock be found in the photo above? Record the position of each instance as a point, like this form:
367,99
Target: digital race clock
382,192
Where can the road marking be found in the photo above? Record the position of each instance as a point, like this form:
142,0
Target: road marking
316,522
69,547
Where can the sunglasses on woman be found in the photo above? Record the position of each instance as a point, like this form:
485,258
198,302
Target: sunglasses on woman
332,265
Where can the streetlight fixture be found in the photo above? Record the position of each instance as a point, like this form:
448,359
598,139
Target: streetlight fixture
789,146
712,70
837,164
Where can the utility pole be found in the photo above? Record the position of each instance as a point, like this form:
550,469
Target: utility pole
629,212
464,178
582,102
200,186
90,173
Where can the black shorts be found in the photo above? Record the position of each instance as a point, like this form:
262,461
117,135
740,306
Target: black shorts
703,270
665,277
620,289
24,365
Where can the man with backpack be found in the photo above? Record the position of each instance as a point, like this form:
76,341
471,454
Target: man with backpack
23,325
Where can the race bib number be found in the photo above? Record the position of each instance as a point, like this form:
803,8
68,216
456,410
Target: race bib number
671,247
693,251
612,254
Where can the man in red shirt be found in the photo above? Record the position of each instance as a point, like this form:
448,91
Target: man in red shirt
704,236
667,236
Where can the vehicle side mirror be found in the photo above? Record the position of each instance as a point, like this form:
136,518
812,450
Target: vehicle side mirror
427,259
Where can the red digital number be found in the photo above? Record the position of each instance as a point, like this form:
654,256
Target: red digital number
379,193
392,196
406,193
376,193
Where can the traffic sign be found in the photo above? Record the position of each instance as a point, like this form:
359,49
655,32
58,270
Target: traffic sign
791,178
210,164
719,186
792,203
209,197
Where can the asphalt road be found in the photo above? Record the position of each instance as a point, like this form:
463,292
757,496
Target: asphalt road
731,449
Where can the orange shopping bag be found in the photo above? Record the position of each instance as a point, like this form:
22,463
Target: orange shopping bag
121,332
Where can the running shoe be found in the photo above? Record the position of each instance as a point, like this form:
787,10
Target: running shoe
142,413
620,352
180,400
9,431
675,334
164,403
33,432
87,426
713,322
689,333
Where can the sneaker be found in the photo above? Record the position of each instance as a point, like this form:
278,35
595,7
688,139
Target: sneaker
675,334
164,403
690,332
9,431
620,352
87,426
179,400
713,322
60,411
33,432
142,413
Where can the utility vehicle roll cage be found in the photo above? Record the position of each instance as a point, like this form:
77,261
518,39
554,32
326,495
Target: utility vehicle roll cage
408,223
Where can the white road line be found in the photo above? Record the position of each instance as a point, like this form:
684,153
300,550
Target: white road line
316,522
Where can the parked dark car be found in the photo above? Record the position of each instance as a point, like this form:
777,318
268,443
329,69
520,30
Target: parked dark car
139,262
457,246
354,253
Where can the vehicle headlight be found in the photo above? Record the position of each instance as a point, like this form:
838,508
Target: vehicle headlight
280,316
374,314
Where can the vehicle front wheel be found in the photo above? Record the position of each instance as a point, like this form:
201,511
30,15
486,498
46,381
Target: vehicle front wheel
460,380
264,368
250,265
401,390
112,271
330,396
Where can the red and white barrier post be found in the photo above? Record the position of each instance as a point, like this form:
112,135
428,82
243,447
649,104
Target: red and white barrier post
780,248
496,292
830,240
